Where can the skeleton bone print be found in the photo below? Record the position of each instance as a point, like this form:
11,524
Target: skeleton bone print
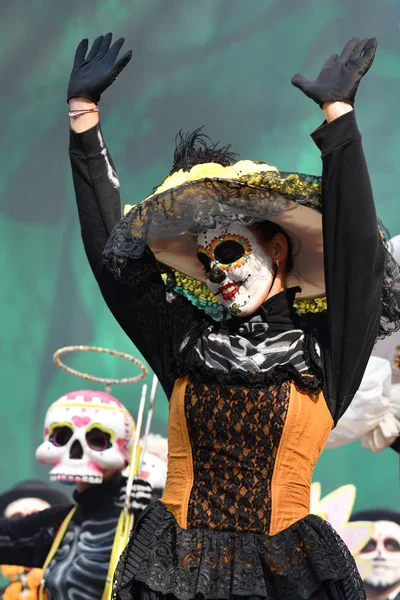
78,571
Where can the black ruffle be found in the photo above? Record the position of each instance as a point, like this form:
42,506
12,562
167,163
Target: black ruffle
188,361
307,560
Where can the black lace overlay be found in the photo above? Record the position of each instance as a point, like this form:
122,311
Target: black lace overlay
237,431
199,205
390,317
306,561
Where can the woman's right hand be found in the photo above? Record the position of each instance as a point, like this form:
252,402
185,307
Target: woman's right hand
93,74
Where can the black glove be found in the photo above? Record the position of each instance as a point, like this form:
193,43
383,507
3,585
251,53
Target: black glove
340,75
92,75
140,495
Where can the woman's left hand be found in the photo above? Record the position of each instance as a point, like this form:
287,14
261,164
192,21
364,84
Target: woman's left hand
340,76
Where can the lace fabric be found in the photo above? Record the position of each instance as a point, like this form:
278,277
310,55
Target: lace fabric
237,431
201,204
308,560
390,318
329,591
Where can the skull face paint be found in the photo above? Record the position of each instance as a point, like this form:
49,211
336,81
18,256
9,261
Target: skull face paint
383,550
86,433
238,271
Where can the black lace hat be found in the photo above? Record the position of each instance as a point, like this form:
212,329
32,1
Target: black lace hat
203,189
207,187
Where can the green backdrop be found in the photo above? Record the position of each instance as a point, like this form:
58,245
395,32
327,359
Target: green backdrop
224,64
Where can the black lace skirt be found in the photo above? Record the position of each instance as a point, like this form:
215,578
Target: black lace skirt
164,562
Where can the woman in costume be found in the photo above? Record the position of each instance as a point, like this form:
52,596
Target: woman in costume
254,388
87,441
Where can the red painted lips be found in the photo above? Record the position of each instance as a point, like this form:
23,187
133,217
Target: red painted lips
229,290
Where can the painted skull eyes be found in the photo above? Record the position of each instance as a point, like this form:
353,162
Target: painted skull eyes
205,261
98,440
390,545
370,546
228,252
60,436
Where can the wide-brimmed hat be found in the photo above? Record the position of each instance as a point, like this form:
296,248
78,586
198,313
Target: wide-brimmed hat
207,188
210,194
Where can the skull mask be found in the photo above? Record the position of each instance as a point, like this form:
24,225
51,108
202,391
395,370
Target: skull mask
86,433
383,550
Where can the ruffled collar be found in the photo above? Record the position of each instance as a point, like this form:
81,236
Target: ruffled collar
277,312
266,348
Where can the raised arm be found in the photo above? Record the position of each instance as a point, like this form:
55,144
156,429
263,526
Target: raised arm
27,541
353,248
141,308
95,180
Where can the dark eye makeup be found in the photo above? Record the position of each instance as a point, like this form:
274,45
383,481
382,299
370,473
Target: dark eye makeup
369,546
61,436
205,261
392,545
98,440
229,252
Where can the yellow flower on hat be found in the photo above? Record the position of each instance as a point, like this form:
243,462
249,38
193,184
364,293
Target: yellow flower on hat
244,167
175,180
127,208
213,170
204,170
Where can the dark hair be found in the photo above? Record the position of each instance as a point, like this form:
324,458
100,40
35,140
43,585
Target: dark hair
266,231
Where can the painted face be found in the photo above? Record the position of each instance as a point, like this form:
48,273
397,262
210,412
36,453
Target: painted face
383,550
238,271
86,433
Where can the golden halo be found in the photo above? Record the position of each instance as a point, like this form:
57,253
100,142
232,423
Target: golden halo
105,380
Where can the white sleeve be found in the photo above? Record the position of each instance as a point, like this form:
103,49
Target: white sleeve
374,414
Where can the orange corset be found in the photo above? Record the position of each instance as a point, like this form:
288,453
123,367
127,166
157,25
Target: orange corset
242,458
